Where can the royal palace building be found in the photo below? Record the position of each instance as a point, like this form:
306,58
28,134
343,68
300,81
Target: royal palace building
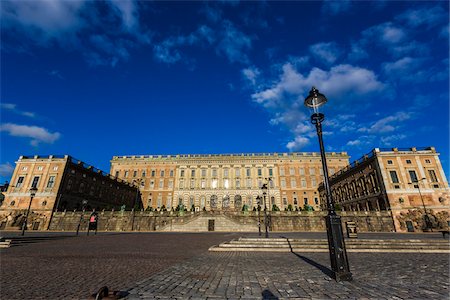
62,183
227,181
408,182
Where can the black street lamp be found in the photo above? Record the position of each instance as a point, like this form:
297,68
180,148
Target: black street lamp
336,244
428,224
258,198
264,188
33,191
84,202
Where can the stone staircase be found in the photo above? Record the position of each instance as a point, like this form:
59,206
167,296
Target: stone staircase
23,240
200,223
321,245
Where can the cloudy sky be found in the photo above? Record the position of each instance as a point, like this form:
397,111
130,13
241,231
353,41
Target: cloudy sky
95,79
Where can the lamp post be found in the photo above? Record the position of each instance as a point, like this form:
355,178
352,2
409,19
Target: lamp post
33,191
264,188
336,244
84,202
428,224
258,198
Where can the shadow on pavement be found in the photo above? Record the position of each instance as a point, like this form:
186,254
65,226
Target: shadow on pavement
322,268
267,294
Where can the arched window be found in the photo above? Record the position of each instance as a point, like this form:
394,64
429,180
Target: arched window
237,201
213,201
226,201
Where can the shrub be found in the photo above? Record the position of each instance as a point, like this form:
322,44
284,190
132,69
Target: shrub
289,208
244,207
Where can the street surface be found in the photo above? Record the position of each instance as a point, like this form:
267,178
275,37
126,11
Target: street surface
178,265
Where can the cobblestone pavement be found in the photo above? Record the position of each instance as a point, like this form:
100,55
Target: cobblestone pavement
178,265
246,275
74,268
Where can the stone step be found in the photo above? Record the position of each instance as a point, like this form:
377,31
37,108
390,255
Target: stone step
321,245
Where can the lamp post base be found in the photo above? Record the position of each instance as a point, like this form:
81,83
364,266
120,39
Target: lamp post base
336,245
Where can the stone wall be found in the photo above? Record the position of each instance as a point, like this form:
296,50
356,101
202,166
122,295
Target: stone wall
172,221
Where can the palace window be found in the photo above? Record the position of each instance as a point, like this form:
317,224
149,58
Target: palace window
55,168
214,184
270,172
248,172
394,176
171,173
143,173
259,183
214,172
316,201
283,182
413,176
117,174
35,181
249,183
312,171
162,173
305,201
226,183
181,173
238,183
125,174
313,182
237,172
293,183
170,183
303,183
161,183
134,173
153,173
192,173
24,168
408,161
259,172
203,184
389,162
301,171
332,171
291,171
181,184
192,183
225,173
203,172
427,161
152,184
285,201
282,172
20,181
433,177
51,181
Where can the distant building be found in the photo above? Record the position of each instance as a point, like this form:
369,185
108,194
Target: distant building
405,181
63,183
227,181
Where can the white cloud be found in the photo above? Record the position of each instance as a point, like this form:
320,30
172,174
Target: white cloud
37,134
298,143
387,124
326,52
339,80
234,43
388,140
251,74
6,169
13,107
405,64
168,50
70,24
336,7
427,16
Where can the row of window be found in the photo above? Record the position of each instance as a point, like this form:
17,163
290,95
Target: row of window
35,181
408,161
413,176
39,168
134,173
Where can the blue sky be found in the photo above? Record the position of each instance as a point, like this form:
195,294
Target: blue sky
96,79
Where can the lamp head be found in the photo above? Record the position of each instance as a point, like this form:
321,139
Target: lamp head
264,187
315,99
33,191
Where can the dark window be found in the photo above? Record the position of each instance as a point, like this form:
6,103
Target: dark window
153,173
389,162
20,181
433,177
270,172
408,161
394,176
51,182
35,181
117,173
413,176
134,173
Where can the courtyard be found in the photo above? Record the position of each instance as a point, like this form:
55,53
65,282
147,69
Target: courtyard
178,265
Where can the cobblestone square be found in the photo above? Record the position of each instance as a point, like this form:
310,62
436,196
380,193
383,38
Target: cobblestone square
179,266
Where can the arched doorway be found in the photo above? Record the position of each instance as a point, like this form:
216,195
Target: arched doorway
237,202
